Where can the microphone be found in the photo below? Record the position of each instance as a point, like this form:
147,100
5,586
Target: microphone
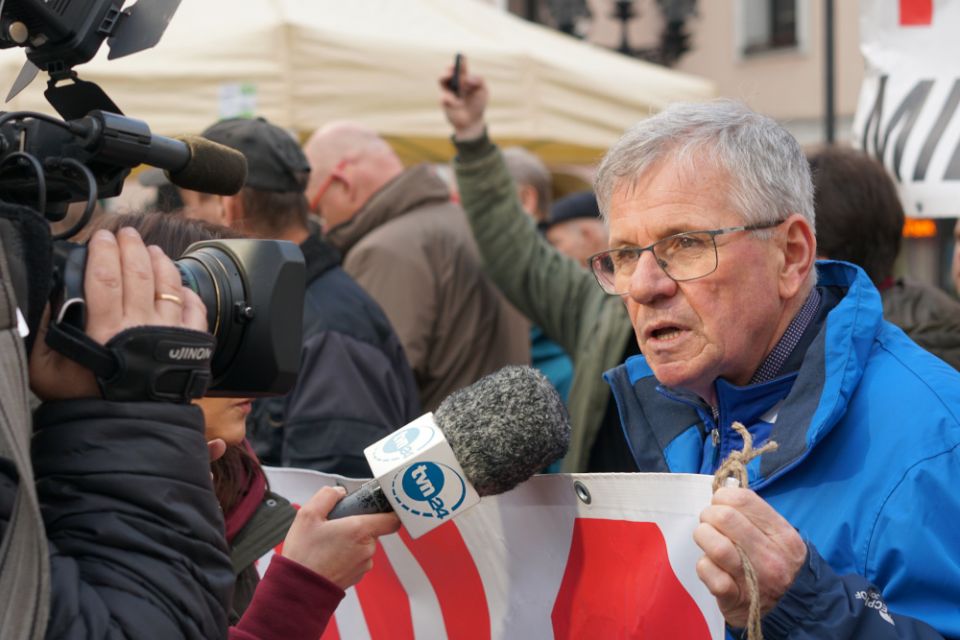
211,167
502,429
190,162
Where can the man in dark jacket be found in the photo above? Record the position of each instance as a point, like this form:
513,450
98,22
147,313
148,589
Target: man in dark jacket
131,540
355,385
860,220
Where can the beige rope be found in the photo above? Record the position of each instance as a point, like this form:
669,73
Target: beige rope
735,467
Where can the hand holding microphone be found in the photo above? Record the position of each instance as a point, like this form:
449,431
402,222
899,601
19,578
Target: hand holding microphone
341,551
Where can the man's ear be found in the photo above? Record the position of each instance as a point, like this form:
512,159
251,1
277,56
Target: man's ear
529,200
232,209
595,232
799,253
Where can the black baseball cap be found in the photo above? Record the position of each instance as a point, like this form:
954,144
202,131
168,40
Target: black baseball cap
275,161
582,204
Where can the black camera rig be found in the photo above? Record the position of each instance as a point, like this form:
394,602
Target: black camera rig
253,289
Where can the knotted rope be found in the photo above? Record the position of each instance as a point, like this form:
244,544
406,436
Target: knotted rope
734,469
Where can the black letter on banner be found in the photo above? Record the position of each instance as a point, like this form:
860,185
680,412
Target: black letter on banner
949,107
910,110
953,167
873,121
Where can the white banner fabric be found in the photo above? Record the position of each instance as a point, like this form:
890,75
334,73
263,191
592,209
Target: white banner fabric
909,98
561,556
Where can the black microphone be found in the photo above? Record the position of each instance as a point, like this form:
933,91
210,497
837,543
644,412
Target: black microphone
190,162
502,429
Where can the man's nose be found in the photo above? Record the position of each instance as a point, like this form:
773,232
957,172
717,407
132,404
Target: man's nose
649,281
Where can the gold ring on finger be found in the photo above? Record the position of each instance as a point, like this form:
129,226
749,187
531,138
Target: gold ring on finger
169,297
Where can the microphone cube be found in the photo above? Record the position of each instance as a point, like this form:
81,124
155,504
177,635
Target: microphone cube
420,476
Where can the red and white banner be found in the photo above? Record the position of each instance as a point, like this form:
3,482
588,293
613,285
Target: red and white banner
562,556
907,112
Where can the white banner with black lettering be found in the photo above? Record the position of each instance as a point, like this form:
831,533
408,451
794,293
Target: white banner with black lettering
909,100
561,556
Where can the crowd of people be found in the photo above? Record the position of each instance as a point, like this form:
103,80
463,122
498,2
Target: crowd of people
716,278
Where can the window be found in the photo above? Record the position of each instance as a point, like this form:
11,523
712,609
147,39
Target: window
769,25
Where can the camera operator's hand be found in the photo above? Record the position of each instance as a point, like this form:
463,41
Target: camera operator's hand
464,112
126,284
340,550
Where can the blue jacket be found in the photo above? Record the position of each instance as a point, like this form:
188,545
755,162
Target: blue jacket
868,467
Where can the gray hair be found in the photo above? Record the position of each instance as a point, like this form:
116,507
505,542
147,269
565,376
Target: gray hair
527,169
768,172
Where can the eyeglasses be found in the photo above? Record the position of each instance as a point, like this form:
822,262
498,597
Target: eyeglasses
326,184
682,256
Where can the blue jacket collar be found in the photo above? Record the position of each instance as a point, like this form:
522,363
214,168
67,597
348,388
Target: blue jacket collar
811,400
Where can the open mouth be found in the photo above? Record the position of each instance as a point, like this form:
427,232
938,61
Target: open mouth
665,333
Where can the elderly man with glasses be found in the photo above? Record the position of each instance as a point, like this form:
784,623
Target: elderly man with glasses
850,524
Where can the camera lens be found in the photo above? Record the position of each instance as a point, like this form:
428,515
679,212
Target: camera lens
215,276
253,292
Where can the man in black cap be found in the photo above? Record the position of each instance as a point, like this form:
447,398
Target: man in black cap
355,385
575,227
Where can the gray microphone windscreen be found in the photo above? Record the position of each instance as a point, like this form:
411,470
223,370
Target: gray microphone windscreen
505,427
212,168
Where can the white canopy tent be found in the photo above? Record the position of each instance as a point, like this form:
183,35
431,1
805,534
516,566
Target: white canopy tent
301,63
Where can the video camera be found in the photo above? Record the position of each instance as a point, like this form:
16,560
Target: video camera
252,289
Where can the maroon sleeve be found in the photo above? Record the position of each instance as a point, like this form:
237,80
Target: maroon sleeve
291,602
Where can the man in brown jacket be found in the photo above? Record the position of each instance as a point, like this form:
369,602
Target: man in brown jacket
410,247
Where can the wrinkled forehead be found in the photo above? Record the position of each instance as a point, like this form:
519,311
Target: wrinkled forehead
691,176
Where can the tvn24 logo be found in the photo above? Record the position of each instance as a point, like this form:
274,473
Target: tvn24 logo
405,443
429,490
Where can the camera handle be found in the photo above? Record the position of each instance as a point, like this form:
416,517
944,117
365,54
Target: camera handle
161,364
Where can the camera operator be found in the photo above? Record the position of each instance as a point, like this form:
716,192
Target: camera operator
131,538
320,559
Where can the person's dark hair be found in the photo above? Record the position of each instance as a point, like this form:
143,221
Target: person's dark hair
173,234
858,210
168,198
273,212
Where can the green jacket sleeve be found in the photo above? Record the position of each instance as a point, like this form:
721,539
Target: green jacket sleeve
552,290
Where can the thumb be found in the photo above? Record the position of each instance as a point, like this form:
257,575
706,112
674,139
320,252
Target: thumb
216,448
325,499
381,524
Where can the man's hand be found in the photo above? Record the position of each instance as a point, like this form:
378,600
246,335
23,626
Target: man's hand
464,112
340,550
776,550
126,284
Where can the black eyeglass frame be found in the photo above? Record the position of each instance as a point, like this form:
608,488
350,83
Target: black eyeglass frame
594,260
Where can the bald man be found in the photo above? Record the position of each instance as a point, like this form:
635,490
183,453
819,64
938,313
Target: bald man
411,248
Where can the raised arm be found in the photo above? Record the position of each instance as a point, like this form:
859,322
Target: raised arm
552,290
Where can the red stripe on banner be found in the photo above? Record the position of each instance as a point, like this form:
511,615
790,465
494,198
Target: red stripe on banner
384,601
619,584
916,13
446,560
331,632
